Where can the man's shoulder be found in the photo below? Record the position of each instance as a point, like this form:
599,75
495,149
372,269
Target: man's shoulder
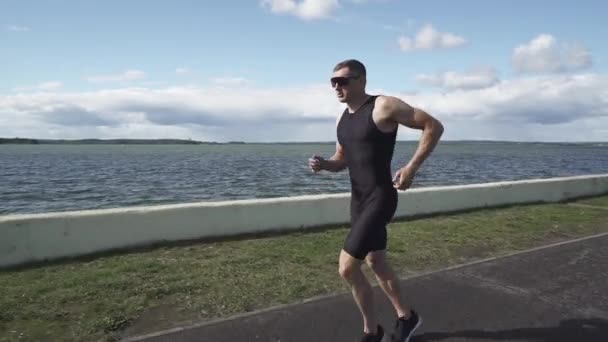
392,108
386,104
387,100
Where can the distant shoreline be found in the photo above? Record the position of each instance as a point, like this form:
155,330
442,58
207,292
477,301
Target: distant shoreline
28,141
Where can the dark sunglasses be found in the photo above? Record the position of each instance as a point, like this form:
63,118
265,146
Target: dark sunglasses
342,80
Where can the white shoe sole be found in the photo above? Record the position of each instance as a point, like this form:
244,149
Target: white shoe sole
414,330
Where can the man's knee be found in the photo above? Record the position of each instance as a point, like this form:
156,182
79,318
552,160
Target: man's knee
348,265
346,271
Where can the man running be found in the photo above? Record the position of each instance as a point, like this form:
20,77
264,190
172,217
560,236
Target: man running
366,134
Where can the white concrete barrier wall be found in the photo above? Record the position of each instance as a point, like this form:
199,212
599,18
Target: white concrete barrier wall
39,237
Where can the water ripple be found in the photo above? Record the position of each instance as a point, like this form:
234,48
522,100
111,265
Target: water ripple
42,178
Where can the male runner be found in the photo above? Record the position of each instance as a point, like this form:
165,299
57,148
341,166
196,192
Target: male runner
366,134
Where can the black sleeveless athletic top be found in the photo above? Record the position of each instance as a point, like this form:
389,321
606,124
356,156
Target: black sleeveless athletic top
368,151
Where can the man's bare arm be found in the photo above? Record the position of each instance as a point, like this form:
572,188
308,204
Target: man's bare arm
337,162
402,113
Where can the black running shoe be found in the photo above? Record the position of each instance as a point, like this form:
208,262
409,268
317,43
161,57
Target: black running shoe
373,337
404,328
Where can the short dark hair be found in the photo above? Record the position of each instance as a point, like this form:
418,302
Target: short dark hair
352,65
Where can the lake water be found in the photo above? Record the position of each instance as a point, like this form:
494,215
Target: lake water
46,178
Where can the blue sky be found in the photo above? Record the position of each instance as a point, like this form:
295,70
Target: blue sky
114,68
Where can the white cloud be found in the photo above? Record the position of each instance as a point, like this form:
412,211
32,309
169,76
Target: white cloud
45,86
528,108
17,28
543,54
304,9
126,76
210,106
473,79
231,81
429,38
542,100
182,71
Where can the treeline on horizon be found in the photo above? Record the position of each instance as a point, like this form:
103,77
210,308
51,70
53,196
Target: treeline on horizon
28,141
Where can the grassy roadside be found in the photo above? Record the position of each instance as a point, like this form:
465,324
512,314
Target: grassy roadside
597,201
115,296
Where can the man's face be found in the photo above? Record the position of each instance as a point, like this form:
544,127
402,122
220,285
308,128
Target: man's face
346,84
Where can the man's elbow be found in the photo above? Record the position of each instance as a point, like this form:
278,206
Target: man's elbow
439,127
435,128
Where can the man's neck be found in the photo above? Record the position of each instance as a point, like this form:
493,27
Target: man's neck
357,102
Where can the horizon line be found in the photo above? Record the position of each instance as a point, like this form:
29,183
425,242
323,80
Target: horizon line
288,142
